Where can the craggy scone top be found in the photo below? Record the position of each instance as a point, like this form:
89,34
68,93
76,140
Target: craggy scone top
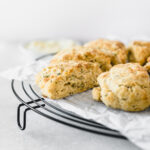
125,86
84,54
115,49
104,52
139,51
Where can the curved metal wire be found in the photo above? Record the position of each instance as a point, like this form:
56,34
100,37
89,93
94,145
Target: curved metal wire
43,56
62,110
61,121
71,119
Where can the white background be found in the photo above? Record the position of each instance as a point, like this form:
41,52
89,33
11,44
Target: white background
78,19
22,20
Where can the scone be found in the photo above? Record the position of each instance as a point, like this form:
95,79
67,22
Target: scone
125,86
115,49
84,54
139,51
62,79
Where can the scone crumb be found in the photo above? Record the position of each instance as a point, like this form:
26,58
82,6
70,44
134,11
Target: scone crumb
96,93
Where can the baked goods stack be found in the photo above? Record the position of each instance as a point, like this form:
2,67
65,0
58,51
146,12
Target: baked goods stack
118,74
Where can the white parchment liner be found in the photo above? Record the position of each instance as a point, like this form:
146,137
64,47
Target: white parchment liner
135,126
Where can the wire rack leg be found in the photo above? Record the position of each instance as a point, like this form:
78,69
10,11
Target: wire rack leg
22,125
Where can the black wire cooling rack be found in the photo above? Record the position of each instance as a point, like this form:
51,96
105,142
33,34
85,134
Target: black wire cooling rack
32,101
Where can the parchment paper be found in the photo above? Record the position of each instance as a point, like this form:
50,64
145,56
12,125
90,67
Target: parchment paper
135,126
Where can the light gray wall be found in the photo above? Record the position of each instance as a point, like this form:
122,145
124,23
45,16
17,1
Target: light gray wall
79,19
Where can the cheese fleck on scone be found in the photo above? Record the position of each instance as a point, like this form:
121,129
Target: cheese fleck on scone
139,51
115,49
62,79
126,87
84,54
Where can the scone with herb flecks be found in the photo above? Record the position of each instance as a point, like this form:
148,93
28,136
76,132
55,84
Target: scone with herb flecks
84,54
62,79
115,49
139,51
125,86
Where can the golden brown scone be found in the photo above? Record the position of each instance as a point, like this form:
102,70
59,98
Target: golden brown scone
126,87
139,51
115,49
66,78
84,54
96,92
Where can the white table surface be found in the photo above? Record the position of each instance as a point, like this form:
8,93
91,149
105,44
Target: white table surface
41,133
